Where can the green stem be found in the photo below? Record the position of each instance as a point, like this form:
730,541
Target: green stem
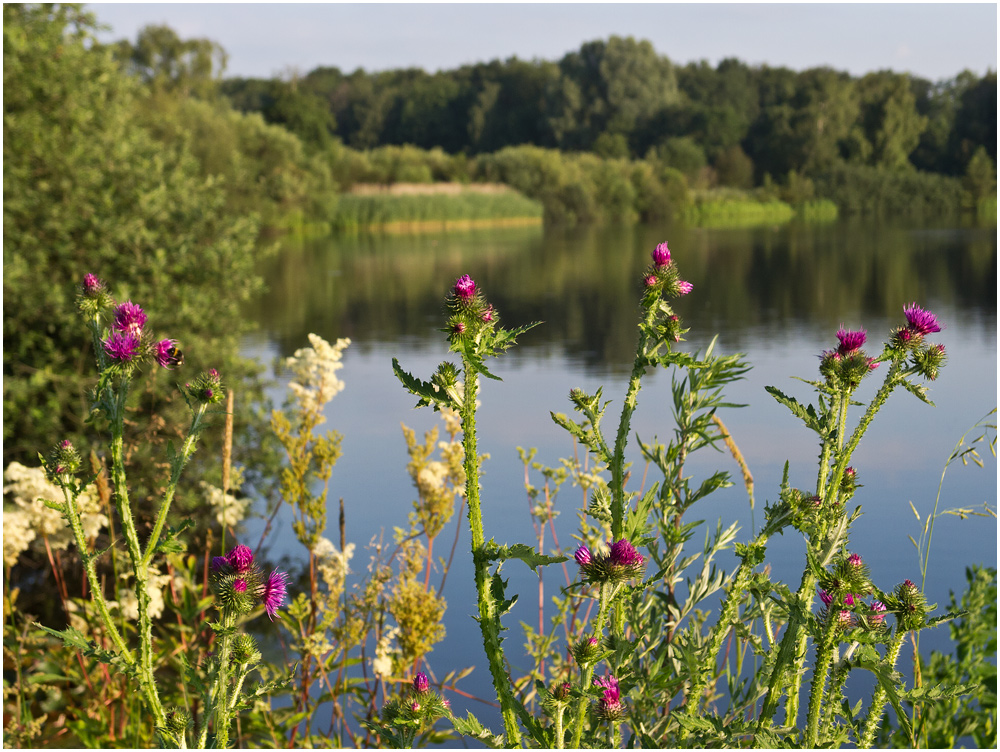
880,697
618,460
175,475
607,593
727,617
489,619
221,699
140,571
560,731
824,657
837,683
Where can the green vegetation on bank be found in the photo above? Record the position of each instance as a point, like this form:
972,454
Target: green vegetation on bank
442,210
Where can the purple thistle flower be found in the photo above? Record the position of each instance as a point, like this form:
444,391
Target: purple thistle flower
683,288
240,558
854,560
879,616
415,706
274,592
921,321
611,704
488,314
661,255
459,327
582,556
129,317
167,354
825,597
850,340
849,600
623,554
592,641
465,287
121,346
845,619
218,562
420,682
240,585
92,285
651,280
213,373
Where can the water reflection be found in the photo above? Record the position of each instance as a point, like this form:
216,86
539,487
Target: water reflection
583,283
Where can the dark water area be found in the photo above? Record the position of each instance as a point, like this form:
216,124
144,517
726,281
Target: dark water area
776,294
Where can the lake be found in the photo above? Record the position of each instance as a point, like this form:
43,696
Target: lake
776,294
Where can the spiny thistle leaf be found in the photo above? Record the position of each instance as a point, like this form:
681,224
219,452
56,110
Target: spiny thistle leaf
428,393
470,726
806,414
527,554
917,390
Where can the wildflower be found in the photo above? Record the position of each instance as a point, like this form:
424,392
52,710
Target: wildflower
315,368
582,556
415,706
661,255
850,340
274,592
92,285
130,318
240,558
623,554
825,597
458,327
920,321
488,315
121,346
420,682
465,288
167,353
63,459
878,617
207,388
651,280
683,288
610,705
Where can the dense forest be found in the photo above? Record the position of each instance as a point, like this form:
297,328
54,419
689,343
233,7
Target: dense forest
613,130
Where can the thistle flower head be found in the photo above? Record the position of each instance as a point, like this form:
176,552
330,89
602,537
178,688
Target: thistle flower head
420,682
850,340
684,288
465,288
63,459
121,346
245,649
661,255
920,321
167,353
825,597
878,612
651,280
623,554
587,651
274,592
240,558
610,705
582,556
207,388
129,317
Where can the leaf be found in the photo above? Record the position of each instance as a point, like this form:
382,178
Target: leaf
806,414
918,391
426,391
939,692
170,544
470,726
527,554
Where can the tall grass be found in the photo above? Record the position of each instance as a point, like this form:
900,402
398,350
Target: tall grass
388,212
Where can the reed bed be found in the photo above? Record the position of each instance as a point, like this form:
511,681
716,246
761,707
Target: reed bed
433,211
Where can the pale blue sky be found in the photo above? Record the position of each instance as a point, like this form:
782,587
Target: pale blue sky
934,41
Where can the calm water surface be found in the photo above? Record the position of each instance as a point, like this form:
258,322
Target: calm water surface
777,295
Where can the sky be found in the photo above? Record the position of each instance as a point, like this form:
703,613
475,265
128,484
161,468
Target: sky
931,40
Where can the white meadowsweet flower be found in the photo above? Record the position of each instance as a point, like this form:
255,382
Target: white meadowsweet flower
129,603
30,488
315,369
333,564
17,534
229,510
382,662
431,477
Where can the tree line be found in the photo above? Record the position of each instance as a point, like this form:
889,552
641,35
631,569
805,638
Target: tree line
620,98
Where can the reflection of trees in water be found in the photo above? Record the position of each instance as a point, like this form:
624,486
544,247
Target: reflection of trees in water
583,282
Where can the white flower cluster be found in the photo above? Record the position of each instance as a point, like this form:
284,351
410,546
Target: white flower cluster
315,369
333,564
430,479
30,518
228,509
155,583
382,662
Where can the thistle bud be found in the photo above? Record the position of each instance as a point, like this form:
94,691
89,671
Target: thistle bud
661,255
587,651
94,297
420,683
207,388
245,649
62,460
177,720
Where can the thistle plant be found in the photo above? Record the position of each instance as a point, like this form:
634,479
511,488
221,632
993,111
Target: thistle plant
474,333
123,345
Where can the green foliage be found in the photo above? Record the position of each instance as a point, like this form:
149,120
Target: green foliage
861,190
389,211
